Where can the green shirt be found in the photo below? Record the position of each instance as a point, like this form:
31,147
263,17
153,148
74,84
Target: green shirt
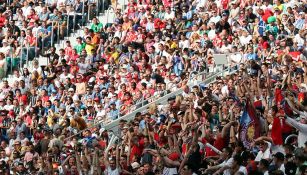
79,47
96,27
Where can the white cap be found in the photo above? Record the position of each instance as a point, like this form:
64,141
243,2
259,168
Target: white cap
92,79
135,165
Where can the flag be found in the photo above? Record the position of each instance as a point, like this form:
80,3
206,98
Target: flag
287,109
286,129
249,125
278,96
276,133
301,97
295,55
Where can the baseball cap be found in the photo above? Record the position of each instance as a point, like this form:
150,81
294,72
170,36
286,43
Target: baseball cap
135,165
71,90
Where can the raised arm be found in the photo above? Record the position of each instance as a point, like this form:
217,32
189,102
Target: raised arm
299,126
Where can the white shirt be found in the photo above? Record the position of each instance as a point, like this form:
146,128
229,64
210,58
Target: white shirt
61,3
38,70
101,113
169,15
226,163
120,34
215,19
302,131
243,170
225,90
169,171
184,44
245,40
225,49
269,7
83,67
236,58
63,77
109,171
35,30
300,41
8,107
26,10
211,34
264,155
5,50
282,168
38,9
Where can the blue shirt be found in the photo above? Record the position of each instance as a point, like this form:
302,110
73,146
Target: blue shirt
299,24
113,114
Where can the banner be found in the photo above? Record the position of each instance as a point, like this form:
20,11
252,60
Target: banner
249,125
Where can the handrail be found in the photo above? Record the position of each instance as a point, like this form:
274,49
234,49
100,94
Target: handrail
192,75
114,124
145,101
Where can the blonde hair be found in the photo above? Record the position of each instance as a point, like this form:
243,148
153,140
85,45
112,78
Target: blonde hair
152,108
178,100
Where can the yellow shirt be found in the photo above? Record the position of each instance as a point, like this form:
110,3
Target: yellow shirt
89,48
174,45
115,56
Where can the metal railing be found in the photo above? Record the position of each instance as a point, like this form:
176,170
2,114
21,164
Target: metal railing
192,76
209,79
145,101
72,23
112,126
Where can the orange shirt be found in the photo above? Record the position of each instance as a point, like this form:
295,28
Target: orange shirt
96,39
126,25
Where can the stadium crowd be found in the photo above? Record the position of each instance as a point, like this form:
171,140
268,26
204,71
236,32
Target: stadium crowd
251,121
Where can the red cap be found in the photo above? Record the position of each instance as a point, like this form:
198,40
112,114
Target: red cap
174,156
11,113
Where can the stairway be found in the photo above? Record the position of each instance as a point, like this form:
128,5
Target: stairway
107,17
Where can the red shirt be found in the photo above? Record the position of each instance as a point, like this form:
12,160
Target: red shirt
263,45
45,98
167,3
32,19
121,95
68,51
136,150
224,4
160,141
2,19
23,99
31,39
218,143
131,36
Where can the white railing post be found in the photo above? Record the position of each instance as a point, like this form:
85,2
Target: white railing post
11,55
83,11
88,11
36,43
52,32
58,32
21,51
67,31
27,59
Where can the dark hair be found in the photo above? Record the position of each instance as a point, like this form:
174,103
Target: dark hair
238,159
265,163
